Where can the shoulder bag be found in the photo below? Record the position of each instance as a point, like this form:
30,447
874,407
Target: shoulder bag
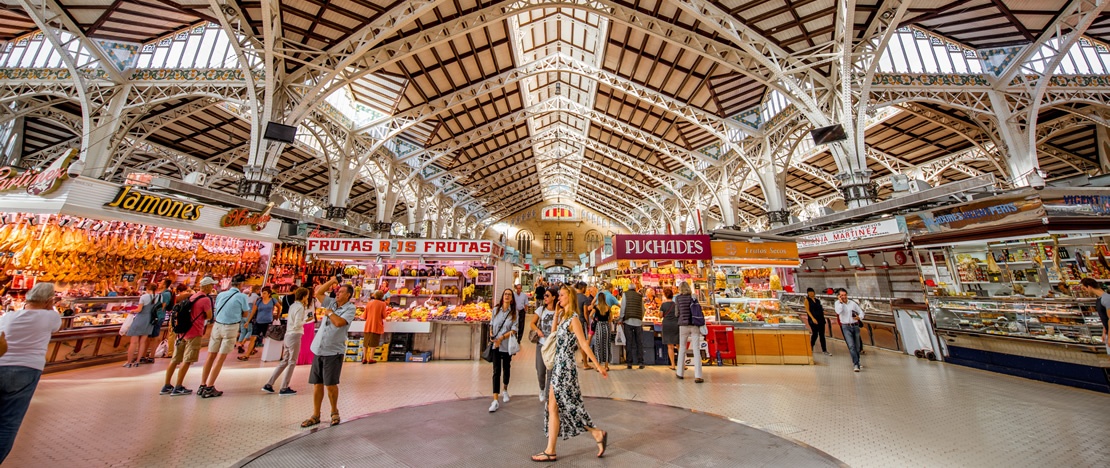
548,350
532,335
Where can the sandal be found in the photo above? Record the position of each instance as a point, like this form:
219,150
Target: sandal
334,419
544,457
243,358
604,442
311,421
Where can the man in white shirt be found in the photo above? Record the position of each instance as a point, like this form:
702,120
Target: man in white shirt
28,334
521,299
850,315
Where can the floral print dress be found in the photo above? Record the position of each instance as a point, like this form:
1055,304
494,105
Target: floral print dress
573,418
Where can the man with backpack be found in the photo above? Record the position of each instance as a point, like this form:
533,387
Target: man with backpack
164,297
690,320
188,319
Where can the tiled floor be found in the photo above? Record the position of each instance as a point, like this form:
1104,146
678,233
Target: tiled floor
448,434
900,411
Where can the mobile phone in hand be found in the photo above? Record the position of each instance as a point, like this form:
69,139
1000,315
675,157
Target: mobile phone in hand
338,278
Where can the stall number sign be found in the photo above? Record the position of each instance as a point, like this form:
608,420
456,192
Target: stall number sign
127,277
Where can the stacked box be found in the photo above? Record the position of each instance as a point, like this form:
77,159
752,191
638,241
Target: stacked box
354,351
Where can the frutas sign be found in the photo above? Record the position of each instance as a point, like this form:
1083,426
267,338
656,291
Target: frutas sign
38,183
131,199
362,247
650,247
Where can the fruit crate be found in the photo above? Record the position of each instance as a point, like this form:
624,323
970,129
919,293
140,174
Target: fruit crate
419,357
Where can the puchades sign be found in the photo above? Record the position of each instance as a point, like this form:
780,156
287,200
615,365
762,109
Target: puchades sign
432,247
38,183
653,247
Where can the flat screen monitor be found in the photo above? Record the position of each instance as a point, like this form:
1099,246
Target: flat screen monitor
828,134
279,132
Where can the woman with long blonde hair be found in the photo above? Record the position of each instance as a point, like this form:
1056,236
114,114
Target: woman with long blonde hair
566,416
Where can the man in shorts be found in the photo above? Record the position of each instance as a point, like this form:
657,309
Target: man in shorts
230,310
329,345
187,349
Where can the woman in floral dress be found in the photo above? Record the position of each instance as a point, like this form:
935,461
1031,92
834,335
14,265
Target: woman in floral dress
566,416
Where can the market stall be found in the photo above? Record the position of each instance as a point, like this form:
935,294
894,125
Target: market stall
873,262
439,290
99,241
655,262
751,274
1002,274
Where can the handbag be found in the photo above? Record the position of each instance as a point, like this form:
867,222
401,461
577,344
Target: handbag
533,336
487,354
548,351
276,331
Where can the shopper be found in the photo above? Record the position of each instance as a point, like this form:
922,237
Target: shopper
187,349
181,293
603,329
542,324
294,331
688,332
164,298
329,345
1101,305
582,301
26,333
670,324
632,315
231,310
850,316
375,326
263,312
566,414
816,312
539,291
502,326
521,299
141,326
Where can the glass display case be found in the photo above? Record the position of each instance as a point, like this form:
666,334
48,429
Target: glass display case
1060,320
90,312
756,308
879,325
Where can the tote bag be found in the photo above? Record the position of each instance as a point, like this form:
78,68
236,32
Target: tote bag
548,350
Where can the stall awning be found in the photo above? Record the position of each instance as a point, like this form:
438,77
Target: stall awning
755,254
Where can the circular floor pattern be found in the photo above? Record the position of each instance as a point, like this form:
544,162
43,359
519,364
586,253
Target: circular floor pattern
463,433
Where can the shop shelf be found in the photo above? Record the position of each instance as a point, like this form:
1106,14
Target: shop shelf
418,277
1018,263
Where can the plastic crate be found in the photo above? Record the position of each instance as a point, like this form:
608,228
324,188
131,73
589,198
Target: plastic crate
419,357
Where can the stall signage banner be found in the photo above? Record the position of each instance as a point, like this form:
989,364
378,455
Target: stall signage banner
885,227
653,247
1077,202
446,247
988,212
755,250
132,199
38,183
243,217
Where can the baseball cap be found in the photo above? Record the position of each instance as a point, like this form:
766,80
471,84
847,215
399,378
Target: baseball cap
207,281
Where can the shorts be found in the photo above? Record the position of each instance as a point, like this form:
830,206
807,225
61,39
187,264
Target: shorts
259,329
222,340
325,370
372,340
186,350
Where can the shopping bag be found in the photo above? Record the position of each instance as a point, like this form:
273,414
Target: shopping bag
162,350
620,336
514,346
126,324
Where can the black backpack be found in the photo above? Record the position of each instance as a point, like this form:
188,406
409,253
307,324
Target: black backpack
182,318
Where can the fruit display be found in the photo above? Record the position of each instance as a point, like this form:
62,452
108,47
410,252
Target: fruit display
469,313
71,249
471,273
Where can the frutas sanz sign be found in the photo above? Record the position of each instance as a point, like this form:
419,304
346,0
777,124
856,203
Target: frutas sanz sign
651,247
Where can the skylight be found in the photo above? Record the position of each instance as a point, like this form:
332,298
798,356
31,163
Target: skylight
912,50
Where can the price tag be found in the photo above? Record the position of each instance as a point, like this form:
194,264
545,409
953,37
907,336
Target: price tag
127,277
461,315
199,235
400,283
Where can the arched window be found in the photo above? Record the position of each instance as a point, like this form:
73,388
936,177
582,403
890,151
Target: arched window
558,242
546,242
570,242
524,242
593,241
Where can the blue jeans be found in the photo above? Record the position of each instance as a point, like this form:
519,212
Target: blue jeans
851,336
17,385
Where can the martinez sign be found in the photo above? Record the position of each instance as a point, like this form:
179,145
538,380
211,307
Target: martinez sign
885,227
38,183
650,247
243,217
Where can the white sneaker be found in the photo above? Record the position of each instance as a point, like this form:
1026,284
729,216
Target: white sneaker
505,396
543,396
493,406
856,369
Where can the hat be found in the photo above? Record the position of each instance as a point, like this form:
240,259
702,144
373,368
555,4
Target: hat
207,281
